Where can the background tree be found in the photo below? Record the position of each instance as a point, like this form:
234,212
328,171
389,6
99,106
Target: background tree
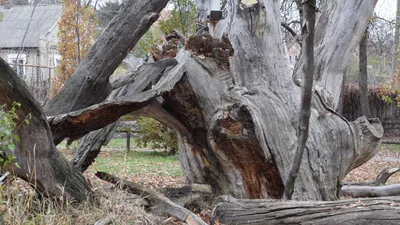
155,135
181,17
76,30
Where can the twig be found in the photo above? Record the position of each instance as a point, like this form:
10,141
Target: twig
170,207
105,221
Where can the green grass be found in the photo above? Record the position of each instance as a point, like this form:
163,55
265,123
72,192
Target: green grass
120,143
115,143
394,148
138,163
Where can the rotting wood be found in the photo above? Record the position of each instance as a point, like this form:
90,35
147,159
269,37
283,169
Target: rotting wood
170,207
377,211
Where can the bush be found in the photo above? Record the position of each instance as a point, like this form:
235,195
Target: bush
8,137
156,135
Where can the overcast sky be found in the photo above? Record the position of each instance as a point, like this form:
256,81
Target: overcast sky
386,9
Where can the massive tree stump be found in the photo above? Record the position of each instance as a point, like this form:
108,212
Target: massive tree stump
234,102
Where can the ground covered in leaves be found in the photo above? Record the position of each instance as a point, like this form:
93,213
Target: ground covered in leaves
387,157
155,169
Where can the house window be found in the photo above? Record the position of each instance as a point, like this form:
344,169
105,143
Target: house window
290,58
57,60
295,58
18,64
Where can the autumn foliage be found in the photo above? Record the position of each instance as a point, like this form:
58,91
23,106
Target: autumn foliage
76,36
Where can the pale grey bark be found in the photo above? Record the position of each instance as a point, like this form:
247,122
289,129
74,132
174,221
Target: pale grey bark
356,191
268,212
238,121
338,27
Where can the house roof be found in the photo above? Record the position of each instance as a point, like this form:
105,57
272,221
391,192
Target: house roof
14,22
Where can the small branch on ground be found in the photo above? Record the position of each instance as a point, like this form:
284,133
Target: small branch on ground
105,221
170,207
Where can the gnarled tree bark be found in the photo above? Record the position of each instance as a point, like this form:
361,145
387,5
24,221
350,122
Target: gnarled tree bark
39,161
266,212
92,74
235,105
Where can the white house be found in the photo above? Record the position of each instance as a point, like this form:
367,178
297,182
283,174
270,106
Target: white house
30,44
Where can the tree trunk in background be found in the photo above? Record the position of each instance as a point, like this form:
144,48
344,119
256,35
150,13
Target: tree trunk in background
40,163
395,53
363,75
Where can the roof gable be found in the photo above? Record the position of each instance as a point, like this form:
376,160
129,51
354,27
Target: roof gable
15,21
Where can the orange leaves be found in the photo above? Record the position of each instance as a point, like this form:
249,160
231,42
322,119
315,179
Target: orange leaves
75,37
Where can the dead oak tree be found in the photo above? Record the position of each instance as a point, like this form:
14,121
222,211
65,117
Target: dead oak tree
234,101
235,104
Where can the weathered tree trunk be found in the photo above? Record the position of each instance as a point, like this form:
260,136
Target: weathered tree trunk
266,212
234,103
363,75
89,84
243,140
39,161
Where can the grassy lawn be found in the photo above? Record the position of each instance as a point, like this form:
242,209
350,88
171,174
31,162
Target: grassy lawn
393,148
149,167
138,163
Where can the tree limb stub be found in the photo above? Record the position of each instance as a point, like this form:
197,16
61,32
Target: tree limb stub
170,207
270,212
131,23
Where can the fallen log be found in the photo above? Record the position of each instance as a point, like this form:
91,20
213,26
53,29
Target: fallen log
268,212
370,191
170,207
381,179
390,142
